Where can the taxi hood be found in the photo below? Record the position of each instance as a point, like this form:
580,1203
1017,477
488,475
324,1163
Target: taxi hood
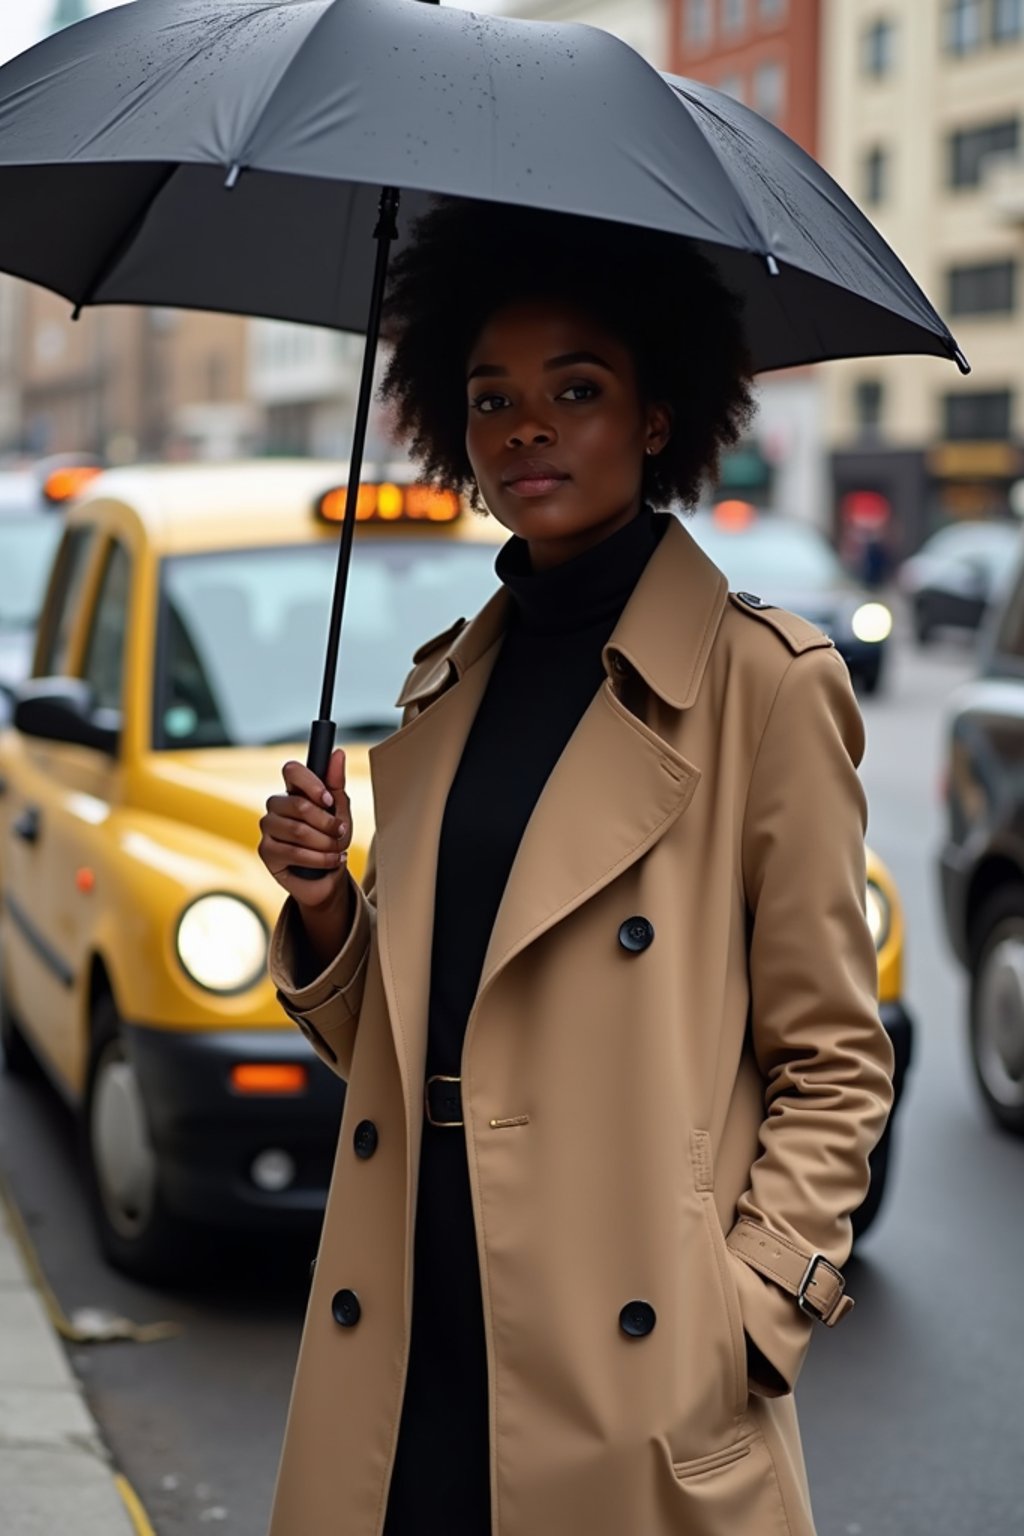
224,790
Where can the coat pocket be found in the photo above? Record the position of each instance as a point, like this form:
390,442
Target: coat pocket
716,1461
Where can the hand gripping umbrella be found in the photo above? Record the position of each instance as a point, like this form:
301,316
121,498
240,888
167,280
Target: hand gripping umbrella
247,155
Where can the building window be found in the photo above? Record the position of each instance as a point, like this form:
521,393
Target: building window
698,23
972,148
879,48
868,399
732,85
770,91
988,289
734,15
771,11
978,415
964,25
876,175
1007,21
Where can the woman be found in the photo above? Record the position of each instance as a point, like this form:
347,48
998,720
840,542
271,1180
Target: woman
605,1004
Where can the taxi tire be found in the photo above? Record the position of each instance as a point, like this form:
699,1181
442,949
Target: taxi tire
999,919
18,1058
161,1249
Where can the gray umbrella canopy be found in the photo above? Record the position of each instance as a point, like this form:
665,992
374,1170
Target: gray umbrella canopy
228,155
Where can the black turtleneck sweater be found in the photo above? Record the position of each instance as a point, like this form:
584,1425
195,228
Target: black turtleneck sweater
547,672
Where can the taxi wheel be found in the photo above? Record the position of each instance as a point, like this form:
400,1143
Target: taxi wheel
18,1058
137,1233
997,1006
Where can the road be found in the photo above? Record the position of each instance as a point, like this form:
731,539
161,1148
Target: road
911,1410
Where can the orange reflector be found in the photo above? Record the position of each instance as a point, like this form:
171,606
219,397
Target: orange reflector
388,503
256,1077
735,514
85,881
65,484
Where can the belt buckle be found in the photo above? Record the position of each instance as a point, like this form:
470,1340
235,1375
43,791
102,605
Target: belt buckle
807,1307
439,1077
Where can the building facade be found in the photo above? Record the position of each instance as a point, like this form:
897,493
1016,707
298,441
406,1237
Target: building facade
923,123
763,52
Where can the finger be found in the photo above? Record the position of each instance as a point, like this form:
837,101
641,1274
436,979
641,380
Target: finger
297,833
279,856
300,780
298,809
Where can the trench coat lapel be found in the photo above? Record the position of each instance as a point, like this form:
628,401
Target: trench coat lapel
619,785
412,772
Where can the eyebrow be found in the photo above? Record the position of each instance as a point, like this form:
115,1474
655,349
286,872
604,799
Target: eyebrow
564,360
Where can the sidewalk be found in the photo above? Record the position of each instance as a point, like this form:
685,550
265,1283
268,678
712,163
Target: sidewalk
55,1472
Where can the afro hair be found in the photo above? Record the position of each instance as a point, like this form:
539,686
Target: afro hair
655,292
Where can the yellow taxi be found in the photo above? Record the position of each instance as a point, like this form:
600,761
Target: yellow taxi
177,665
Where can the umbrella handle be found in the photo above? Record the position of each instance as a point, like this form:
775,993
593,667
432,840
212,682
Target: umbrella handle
321,736
321,745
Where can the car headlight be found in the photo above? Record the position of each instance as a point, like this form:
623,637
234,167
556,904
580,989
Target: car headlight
879,914
222,944
872,623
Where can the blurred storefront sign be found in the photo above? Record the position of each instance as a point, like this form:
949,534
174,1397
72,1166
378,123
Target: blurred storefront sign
985,460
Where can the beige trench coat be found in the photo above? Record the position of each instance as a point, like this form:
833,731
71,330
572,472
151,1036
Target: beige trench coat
685,1125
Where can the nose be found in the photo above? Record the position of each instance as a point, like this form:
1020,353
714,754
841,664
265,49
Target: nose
530,433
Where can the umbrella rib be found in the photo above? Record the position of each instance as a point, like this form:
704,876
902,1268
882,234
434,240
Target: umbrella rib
123,242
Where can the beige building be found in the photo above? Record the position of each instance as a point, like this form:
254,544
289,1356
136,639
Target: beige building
125,383
923,123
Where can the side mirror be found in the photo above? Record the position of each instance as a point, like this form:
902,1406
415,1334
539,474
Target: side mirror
64,709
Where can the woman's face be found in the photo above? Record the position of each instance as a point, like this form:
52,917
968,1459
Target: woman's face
556,428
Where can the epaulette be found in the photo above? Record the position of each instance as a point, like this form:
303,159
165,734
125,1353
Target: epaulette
431,671
799,634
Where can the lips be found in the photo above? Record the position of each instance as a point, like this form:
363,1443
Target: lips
533,476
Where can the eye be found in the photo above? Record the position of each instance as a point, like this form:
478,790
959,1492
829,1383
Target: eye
488,404
583,389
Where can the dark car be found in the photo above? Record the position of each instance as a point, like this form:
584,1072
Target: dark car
793,565
982,862
958,575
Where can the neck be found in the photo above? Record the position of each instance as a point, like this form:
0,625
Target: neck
546,553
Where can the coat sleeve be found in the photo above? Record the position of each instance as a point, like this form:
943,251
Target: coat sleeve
823,1054
326,1008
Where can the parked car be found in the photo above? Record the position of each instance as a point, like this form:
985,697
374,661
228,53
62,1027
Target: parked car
31,501
792,565
982,860
958,575
183,606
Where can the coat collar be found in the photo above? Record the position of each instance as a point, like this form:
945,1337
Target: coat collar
665,633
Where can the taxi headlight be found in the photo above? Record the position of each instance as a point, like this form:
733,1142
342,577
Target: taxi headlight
879,914
222,944
872,623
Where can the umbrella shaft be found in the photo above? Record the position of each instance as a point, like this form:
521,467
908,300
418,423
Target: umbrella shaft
384,234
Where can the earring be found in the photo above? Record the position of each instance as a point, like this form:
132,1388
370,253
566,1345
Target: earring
649,451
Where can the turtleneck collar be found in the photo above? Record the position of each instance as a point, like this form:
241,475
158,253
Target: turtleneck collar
591,588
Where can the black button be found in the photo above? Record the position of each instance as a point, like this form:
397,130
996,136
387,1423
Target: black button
346,1308
752,600
365,1139
636,934
637,1318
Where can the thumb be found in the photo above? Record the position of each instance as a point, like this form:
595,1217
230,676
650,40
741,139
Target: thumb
335,778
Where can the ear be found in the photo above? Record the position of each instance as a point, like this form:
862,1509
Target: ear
659,427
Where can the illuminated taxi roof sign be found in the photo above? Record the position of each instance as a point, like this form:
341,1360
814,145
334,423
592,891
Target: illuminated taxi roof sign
385,502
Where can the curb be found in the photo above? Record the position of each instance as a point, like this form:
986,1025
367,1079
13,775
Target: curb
56,1473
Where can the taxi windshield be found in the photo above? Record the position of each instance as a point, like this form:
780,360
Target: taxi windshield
243,633
27,546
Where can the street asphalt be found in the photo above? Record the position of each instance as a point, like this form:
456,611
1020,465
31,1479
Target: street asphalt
911,1410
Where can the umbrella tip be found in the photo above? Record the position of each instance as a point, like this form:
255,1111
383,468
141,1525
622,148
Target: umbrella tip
960,360
771,264
232,176
76,313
